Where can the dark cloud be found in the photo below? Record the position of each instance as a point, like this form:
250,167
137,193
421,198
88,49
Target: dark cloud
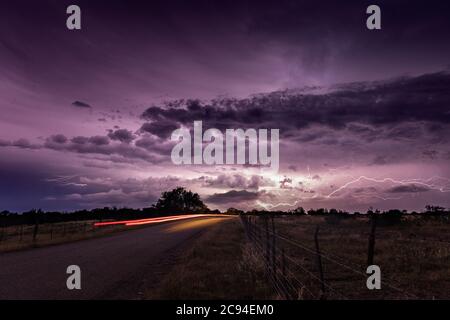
80,140
122,135
203,49
99,140
81,104
90,145
23,144
58,138
161,128
379,160
405,132
430,154
235,181
155,144
362,108
286,183
106,191
232,197
24,187
410,188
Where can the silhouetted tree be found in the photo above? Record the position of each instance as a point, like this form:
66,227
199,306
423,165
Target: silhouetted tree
179,200
234,211
391,217
434,209
299,211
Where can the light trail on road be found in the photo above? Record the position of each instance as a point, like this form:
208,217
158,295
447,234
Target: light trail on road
138,222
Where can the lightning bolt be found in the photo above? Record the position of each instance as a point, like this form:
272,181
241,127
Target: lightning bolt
61,178
269,206
402,182
65,181
426,182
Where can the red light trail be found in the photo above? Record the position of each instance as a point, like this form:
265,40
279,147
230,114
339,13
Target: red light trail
152,220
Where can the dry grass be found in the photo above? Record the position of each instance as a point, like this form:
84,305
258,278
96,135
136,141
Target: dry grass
21,237
219,265
419,268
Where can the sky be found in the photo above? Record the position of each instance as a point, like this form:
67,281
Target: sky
86,115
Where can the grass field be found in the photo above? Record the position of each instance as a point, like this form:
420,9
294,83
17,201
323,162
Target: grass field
414,256
219,265
22,236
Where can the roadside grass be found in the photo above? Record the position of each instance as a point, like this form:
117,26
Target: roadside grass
219,265
21,237
408,254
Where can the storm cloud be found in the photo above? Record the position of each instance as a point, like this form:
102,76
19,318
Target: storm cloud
81,104
232,196
366,111
418,99
408,188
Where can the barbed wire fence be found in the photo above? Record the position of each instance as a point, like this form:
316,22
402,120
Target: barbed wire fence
302,275
13,236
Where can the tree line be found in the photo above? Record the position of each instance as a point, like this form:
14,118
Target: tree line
182,201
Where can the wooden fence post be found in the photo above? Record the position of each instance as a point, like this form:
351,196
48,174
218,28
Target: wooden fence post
274,264
371,248
284,280
319,262
259,231
266,223
35,230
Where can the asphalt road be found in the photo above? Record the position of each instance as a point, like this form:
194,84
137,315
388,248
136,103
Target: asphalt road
118,266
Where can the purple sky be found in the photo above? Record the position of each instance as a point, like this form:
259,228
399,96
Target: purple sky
86,115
